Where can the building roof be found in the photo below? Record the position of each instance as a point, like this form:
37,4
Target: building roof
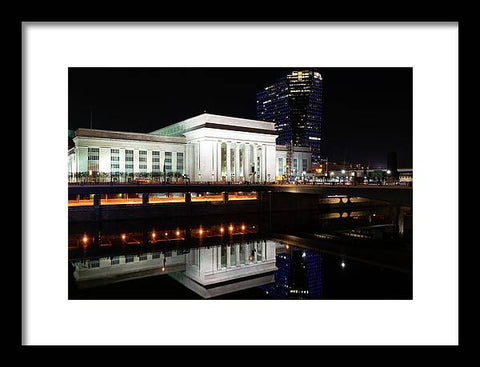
207,120
107,134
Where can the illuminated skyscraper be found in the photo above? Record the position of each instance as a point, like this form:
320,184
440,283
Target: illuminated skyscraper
295,104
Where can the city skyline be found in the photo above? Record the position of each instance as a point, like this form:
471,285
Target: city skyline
367,111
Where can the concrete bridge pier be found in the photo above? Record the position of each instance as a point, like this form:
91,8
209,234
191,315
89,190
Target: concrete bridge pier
145,198
188,197
225,197
188,234
145,239
400,213
97,207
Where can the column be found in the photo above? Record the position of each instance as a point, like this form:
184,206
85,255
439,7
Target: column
229,174
255,248
237,162
237,255
255,161
246,161
228,256
219,257
247,248
104,164
121,162
136,162
149,161
264,249
96,200
263,174
219,161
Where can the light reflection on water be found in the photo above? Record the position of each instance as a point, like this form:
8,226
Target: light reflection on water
234,259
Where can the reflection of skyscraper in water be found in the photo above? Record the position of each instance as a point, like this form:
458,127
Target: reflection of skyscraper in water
299,275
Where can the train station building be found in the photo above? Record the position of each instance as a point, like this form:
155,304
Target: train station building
206,147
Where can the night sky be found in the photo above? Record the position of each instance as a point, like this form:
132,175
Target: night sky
367,111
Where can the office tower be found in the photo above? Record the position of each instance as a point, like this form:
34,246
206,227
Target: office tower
295,104
299,275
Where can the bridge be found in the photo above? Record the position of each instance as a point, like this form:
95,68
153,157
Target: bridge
401,195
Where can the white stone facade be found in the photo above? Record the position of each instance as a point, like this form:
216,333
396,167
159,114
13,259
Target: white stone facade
205,148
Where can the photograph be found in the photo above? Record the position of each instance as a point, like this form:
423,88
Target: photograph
240,183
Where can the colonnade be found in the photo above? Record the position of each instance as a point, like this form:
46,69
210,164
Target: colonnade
251,252
235,162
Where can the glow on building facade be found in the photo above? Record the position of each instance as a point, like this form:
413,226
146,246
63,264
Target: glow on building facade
295,104
204,148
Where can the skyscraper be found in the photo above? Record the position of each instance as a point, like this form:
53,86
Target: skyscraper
295,104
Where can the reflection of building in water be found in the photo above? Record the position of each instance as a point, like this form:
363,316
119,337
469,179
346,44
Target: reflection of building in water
299,275
110,269
222,269
227,262
208,271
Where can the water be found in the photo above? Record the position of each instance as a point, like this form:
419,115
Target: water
358,254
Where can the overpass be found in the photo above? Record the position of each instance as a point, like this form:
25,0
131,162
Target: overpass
401,195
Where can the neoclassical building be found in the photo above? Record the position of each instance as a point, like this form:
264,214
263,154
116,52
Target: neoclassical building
205,148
